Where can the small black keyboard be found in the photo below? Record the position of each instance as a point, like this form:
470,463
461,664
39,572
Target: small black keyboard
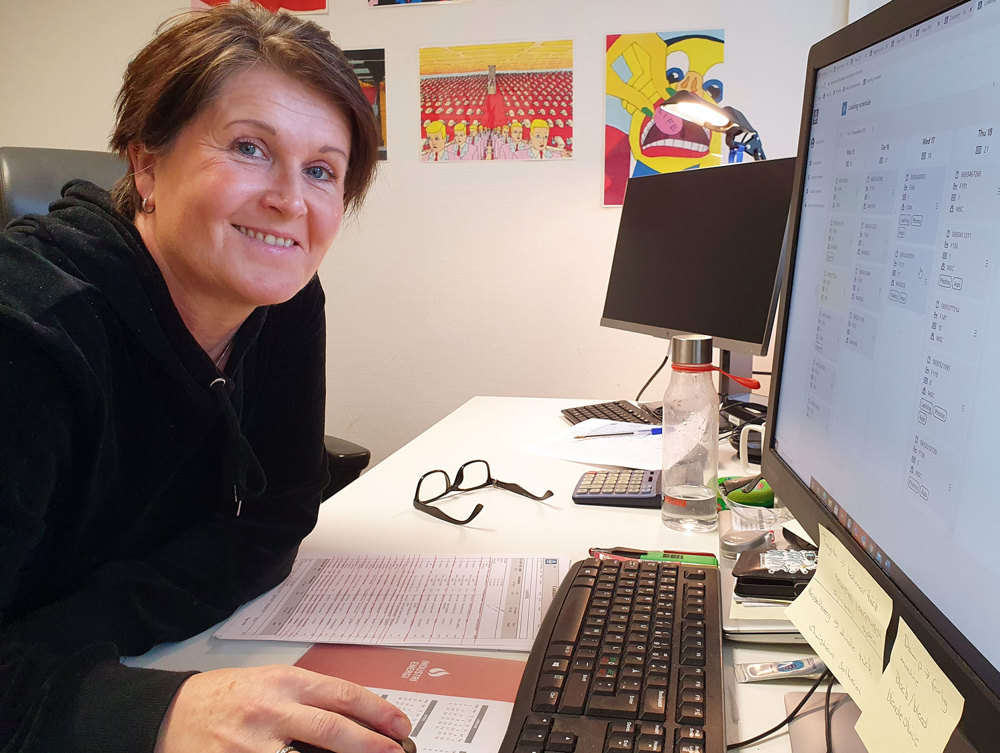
627,660
619,410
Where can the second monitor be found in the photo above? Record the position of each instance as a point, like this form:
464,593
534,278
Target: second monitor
698,252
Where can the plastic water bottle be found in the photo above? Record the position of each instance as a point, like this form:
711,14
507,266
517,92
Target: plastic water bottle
690,438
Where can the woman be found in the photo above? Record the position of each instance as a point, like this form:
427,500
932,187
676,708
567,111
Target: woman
162,382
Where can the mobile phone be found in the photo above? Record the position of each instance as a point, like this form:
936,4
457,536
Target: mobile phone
623,487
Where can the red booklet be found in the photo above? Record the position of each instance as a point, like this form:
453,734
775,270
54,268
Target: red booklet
432,672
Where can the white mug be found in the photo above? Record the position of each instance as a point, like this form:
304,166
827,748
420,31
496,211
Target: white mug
744,438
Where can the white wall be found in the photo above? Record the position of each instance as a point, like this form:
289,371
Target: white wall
858,8
454,280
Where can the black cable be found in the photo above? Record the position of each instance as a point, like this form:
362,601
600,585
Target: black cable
658,370
727,429
761,373
829,715
786,720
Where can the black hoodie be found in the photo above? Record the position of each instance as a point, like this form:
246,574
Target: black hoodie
143,495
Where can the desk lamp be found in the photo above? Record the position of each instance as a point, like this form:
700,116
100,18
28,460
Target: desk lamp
740,135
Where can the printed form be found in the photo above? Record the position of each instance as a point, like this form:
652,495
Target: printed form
456,703
444,601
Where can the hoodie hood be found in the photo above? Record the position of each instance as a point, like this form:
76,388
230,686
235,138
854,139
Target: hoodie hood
90,246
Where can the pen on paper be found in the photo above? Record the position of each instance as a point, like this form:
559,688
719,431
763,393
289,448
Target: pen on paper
637,432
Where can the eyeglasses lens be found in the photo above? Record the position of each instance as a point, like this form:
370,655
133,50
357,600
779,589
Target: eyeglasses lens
432,486
472,475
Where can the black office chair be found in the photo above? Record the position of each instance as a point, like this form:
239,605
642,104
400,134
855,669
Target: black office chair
32,178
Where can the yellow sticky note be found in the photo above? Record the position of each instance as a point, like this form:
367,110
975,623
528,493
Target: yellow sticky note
915,706
843,614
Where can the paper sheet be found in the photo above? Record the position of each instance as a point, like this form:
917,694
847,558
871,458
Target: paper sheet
451,707
643,451
843,614
452,725
796,527
916,707
410,670
442,601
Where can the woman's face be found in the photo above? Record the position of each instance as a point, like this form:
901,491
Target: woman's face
249,196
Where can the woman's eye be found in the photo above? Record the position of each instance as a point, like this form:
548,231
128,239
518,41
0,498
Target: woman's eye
318,172
248,149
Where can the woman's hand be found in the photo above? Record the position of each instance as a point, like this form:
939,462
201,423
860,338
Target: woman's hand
261,709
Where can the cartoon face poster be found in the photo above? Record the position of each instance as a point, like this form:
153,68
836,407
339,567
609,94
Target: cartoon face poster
293,6
497,102
369,67
644,71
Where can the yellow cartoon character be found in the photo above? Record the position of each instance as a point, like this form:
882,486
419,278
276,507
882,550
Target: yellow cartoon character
643,72
437,140
517,141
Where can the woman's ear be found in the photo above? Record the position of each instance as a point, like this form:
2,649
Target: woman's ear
143,167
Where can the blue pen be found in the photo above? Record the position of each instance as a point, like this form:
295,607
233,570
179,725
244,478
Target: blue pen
650,430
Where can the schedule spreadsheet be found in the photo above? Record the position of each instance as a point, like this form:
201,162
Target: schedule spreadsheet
894,318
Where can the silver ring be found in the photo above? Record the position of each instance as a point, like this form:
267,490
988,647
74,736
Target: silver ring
288,749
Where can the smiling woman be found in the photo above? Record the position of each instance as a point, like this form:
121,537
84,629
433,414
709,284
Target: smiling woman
244,204
163,390
275,89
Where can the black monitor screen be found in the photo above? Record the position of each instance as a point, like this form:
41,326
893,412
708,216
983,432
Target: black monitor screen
698,252
883,402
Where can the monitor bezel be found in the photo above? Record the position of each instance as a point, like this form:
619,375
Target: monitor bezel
981,686
737,346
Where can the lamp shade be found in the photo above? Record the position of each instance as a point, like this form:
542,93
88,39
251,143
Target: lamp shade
694,109
740,135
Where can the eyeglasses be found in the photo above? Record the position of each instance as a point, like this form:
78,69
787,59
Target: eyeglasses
473,475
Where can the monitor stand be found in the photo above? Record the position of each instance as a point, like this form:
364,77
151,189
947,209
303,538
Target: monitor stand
737,364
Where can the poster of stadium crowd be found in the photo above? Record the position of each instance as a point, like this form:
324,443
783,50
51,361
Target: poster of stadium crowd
508,101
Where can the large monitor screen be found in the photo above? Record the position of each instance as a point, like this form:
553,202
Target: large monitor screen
698,252
884,396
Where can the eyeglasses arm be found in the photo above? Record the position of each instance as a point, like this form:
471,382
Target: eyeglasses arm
441,515
518,489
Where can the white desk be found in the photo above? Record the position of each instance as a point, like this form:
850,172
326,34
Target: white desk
375,514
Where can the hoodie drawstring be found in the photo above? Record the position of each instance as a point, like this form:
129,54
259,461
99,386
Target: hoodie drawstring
241,462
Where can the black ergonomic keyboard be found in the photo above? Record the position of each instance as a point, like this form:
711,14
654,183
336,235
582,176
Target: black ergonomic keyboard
619,410
627,660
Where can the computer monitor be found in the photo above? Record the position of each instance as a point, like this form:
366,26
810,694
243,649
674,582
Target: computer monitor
698,252
882,408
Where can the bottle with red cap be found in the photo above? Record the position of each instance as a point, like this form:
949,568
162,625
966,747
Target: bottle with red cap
690,438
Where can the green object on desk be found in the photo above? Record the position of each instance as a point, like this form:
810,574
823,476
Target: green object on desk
687,558
756,494
656,555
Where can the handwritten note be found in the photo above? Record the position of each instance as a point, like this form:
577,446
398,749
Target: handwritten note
843,614
915,707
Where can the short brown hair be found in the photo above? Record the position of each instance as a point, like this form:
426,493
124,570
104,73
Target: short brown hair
192,55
